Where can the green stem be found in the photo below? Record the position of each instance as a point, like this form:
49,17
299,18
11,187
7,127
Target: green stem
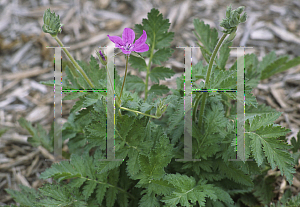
148,70
74,62
119,102
124,76
156,117
211,61
195,108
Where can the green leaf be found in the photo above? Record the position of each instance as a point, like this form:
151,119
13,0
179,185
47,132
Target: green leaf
132,164
261,109
149,199
199,71
263,120
269,58
146,108
26,197
273,67
153,164
134,83
73,95
187,190
275,150
159,89
111,193
208,37
97,76
39,135
296,144
176,115
235,174
160,73
223,79
264,188
138,63
279,66
89,188
82,82
224,55
250,99
69,81
157,30
100,192
61,195
162,55
48,83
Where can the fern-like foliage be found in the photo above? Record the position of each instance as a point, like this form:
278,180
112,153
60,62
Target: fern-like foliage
262,134
147,174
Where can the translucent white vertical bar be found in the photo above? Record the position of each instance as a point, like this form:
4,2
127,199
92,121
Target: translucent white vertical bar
240,105
188,148
110,105
57,105
188,106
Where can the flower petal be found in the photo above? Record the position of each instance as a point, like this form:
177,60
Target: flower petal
141,48
141,40
128,36
125,51
117,40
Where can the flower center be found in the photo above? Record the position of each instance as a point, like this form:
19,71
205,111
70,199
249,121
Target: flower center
128,47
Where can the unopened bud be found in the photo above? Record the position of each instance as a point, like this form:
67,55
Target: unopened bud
52,23
102,57
228,11
240,9
243,18
160,109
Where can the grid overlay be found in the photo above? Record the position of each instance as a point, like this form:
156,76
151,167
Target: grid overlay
240,129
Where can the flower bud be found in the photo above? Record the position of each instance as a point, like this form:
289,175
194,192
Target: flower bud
243,18
160,109
231,23
102,58
236,15
52,23
240,9
228,11
232,19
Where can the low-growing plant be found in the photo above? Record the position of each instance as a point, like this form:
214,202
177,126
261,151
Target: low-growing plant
149,133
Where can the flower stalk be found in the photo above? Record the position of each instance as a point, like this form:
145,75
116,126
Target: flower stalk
53,26
127,46
208,76
75,64
124,75
230,24
160,108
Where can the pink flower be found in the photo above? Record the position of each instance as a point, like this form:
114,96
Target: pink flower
126,43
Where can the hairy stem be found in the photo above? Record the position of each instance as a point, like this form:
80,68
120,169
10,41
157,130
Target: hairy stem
81,71
148,70
155,117
195,108
124,76
211,61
